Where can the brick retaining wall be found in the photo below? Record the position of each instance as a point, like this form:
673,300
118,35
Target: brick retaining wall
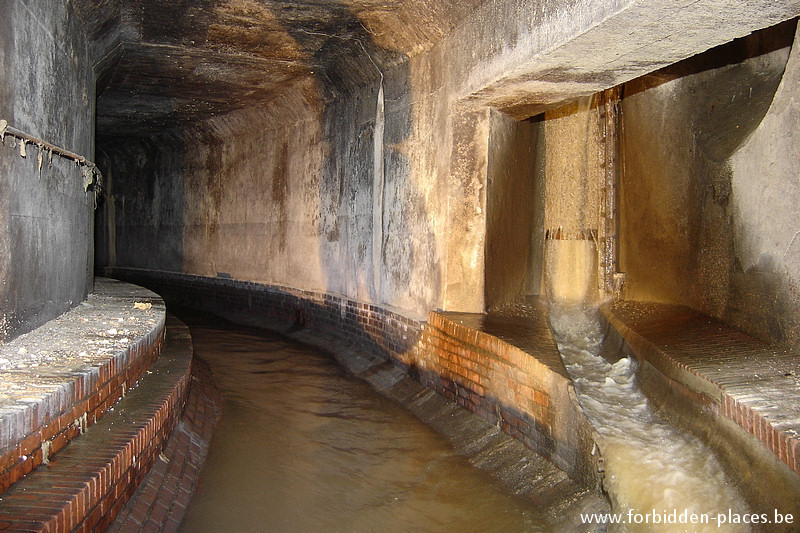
81,403
116,404
84,487
529,400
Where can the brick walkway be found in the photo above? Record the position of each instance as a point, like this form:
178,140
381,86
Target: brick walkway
752,383
85,484
161,500
74,369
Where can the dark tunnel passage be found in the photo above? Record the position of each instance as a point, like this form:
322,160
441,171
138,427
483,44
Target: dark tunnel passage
418,190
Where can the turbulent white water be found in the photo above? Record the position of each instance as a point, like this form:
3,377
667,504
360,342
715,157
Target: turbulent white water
652,469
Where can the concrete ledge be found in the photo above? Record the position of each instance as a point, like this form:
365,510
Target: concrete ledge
85,485
738,394
61,378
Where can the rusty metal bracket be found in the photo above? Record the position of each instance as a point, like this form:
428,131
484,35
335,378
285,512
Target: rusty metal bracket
92,177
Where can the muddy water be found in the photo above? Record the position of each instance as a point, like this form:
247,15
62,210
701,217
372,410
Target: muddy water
652,469
303,446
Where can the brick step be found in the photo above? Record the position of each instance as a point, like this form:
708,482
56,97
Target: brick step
86,484
61,378
739,395
754,384
161,500
508,371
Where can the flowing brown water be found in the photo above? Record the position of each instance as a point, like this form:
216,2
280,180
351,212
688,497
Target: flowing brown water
304,446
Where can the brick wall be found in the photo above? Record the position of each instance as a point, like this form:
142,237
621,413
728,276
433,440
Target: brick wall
115,409
160,502
376,329
87,483
528,399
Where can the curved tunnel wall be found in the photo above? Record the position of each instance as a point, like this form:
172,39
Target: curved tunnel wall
308,204
708,189
303,204
300,205
377,189
46,247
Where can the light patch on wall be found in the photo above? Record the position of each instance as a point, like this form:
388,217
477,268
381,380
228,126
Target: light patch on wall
766,191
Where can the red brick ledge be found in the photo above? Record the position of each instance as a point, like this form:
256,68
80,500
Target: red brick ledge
160,502
737,376
86,484
530,400
72,399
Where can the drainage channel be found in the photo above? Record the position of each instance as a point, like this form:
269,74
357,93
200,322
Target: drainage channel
658,478
304,446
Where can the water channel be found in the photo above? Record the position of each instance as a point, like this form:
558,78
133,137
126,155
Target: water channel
304,446
652,469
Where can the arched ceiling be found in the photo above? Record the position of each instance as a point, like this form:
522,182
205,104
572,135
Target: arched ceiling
162,63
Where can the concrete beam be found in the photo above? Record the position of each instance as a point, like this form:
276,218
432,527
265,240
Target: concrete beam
530,57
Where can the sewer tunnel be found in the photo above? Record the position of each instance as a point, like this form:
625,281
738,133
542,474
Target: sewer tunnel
420,181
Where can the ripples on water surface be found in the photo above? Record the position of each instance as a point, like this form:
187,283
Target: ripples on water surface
650,465
303,446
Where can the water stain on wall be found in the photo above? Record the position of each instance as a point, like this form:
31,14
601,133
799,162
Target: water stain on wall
280,190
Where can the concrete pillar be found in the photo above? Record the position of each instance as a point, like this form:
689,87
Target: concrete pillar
466,212
513,211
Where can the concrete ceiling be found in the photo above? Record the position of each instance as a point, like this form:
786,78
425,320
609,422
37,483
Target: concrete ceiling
166,63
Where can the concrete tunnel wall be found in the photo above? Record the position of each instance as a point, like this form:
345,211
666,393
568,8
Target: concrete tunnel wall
296,205
46,238
514,210
375,179
406,228
379,190
306,204
709,188
707,182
